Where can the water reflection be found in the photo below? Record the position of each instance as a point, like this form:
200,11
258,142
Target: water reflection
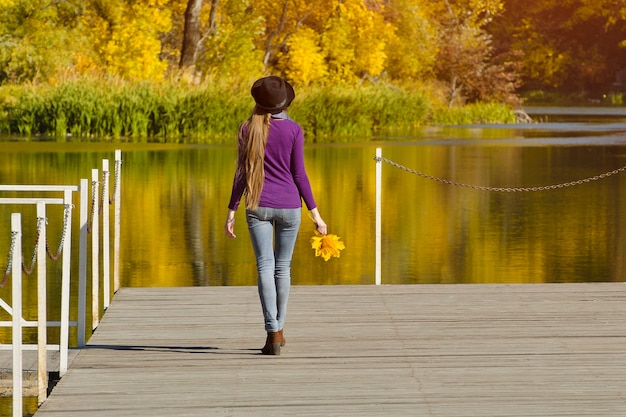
174,204
175,196
181,195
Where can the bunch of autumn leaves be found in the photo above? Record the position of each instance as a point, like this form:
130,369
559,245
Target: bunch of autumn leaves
327,246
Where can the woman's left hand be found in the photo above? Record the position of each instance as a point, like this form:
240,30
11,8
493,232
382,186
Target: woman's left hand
229,227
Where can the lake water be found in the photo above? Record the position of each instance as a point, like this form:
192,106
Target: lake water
174,201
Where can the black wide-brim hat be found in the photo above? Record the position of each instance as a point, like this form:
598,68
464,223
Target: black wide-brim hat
272,93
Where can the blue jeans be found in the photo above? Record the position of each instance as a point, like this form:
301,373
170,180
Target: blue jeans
273,233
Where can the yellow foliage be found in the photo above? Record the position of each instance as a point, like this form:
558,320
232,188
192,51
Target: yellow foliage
354,41
126,39
370,37
231,49
305,62
339,49
412,48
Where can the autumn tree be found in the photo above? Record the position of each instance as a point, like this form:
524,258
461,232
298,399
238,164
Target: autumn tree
36,41
412,47
284,20
124,38
305,62
191,34
229,49
465,60
570,45
355,40
329,40
474,48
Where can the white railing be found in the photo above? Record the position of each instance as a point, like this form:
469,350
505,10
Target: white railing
42,322
379,193
106,232
16,291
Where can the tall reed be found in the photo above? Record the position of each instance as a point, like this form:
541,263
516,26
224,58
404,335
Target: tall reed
101,108
348,111
475,113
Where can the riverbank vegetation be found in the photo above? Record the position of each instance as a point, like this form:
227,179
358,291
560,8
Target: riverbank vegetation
181,69
211,112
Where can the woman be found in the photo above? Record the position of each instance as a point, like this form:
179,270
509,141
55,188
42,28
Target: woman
271,173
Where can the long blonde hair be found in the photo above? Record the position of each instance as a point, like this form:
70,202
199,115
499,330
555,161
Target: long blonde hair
253,135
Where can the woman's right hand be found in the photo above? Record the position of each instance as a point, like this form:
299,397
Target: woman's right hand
320,225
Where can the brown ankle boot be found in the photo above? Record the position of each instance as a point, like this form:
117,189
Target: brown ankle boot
272,344
283,342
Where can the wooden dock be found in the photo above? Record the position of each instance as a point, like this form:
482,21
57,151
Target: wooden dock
29,370
418,350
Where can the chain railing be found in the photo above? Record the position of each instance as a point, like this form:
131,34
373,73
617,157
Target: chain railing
28,270
94,204
66,225
501,189
378,223
116,179
9,267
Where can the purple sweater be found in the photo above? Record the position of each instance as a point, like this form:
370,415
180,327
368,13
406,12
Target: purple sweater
286,180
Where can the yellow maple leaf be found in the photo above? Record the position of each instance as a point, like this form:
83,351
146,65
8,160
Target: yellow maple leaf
327,246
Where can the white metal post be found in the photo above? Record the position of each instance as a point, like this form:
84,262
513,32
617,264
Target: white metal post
42,315
16,284
379,172
82,262
66,284
106,266
118,207
95,251
106,275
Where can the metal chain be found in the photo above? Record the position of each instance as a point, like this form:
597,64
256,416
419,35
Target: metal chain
502,189
7,272
27,270
94,200
40,222
118,169
66,218
105,182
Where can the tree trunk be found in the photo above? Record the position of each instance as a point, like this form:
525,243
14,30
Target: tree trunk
191,35
270,47
213,17
454,90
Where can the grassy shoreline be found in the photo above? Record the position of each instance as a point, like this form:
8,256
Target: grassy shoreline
177,113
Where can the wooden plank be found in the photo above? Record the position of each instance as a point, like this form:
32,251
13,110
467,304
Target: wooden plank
422,350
